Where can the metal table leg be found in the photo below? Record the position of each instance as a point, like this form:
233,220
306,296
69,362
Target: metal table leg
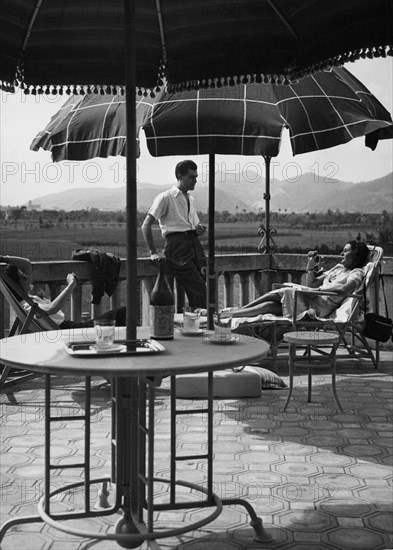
132,432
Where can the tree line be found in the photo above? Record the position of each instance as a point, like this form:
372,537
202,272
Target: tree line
381,224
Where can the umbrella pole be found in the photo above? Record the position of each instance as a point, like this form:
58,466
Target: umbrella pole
266,196
211,272
132,301
266,246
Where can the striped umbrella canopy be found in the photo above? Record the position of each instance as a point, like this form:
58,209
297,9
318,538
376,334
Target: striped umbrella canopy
324,110
93,43
90,126
321,111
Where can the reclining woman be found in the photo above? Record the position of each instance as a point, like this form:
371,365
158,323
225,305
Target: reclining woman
19,270
344,278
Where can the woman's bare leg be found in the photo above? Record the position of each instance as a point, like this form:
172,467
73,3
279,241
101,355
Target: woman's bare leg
272,296
268,303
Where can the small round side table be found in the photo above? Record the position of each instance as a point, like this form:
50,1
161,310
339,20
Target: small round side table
312,340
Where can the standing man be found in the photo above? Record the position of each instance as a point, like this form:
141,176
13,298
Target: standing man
176,213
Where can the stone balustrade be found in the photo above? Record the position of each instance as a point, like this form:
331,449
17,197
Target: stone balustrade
240,279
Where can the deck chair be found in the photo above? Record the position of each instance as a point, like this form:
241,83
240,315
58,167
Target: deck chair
34,320
346,319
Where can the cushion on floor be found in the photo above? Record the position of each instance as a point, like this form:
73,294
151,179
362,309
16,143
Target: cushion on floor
245,382
269,380
226,384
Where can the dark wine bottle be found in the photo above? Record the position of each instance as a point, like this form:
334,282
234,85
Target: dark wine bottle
162,307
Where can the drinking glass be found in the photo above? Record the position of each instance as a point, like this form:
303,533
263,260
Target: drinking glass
191,319
222,325
104,333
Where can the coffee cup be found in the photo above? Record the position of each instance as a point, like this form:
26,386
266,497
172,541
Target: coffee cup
104,333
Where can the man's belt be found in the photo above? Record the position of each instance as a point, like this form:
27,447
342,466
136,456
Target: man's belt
190,232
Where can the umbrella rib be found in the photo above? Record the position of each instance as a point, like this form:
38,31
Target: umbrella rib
162,31
244,117
282,19
153,130
31,24
197,120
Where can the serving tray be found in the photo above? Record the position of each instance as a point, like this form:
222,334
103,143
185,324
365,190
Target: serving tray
120,347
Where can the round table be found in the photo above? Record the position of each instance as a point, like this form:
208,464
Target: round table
310,340
134,379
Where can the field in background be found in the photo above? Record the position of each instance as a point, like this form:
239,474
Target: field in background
58,243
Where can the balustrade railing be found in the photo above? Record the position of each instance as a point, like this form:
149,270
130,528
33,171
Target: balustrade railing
240,278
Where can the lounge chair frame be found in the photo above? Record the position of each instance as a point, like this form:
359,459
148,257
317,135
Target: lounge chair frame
34,320
347,319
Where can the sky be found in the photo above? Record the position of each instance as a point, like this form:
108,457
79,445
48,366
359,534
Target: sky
28,175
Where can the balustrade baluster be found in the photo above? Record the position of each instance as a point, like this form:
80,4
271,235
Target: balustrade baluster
228,289
146,288
115,299
244,288
76,303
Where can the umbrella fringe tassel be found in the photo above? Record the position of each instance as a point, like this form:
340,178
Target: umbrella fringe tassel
292,77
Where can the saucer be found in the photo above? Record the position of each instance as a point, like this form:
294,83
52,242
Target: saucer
216,340
116,348
191,332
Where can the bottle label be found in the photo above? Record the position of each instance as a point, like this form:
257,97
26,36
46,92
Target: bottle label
162,321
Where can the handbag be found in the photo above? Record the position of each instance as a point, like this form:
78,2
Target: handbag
377,327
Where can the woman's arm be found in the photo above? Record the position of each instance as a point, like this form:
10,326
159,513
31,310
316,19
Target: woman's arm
21,263
311,280
55,305
342,288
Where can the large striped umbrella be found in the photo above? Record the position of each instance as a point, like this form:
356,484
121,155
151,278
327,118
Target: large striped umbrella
324,110
55,43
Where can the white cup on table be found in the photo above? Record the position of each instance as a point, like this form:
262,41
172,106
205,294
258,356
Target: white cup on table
104,333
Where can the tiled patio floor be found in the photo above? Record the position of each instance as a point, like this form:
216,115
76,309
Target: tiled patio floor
319,479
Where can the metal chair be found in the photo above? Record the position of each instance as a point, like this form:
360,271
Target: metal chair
346,320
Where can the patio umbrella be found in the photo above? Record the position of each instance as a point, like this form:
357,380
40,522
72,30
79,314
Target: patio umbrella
71,43
324,110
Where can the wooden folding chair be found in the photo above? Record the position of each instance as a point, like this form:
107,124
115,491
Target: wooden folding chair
34,320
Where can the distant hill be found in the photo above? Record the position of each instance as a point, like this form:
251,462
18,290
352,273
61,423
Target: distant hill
235,194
